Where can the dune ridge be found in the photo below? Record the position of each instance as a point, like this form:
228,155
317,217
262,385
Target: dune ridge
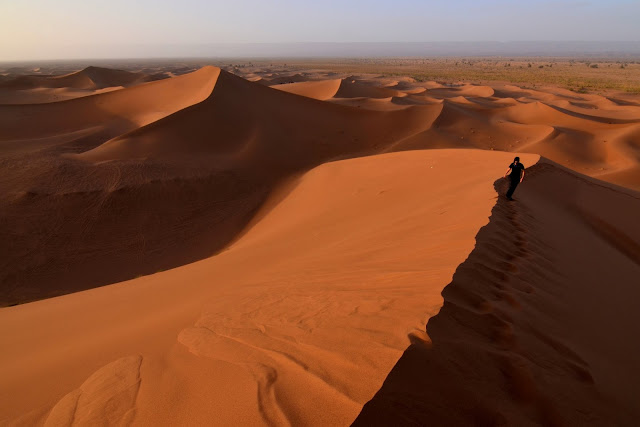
88,78
588,133
197,128
323,292
301,236
531,324
31,89
319,89
254,147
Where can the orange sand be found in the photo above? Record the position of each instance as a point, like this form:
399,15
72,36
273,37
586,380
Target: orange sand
303,255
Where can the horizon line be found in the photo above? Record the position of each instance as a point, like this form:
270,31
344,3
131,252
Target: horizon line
350,49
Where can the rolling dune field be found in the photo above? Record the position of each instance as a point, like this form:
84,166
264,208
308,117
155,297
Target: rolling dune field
275,245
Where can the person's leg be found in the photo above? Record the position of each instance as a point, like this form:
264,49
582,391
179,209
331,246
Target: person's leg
512,188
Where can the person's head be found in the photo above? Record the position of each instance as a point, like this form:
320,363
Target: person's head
516,160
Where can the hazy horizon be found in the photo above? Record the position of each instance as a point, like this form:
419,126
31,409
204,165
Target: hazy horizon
349,50
74,29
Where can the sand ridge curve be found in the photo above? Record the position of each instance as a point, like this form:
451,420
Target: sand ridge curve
212,132
323,292
300,258
530,328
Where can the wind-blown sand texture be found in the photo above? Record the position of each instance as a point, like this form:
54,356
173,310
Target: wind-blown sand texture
295,248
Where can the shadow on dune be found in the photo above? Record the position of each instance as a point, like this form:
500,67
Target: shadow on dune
85,239
598,119
437,383
174,187
503,347
144,194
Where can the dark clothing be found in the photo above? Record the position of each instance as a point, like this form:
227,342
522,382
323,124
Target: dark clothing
512,188
515,175
516,171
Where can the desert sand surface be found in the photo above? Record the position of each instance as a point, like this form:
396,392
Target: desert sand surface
39,88
290,246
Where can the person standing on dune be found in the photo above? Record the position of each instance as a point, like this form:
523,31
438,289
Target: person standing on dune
516,174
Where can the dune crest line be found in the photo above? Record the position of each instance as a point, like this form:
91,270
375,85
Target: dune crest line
267,243
71,168
504,344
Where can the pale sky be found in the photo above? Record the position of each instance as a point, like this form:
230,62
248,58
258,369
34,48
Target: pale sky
61,29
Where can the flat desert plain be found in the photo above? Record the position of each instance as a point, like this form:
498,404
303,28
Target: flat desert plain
271,244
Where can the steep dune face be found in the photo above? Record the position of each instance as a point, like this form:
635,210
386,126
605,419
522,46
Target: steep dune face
60,212
333,279
213,160
118,111
355,89
299,259
67,242
537,325
320,89
216,145
588,133
593,145
345,90
589,144
273,127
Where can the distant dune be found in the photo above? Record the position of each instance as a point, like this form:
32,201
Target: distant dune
29,89
238,241
88,78
318,89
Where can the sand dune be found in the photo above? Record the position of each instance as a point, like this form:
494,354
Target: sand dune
35,89
354,89
584,132
339,88
47,95
377,104
531,330
320,89
285,245
465,90
119,111
360,259
255,144
88,78
280,119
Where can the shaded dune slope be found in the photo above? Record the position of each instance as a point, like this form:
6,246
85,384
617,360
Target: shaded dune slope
88,78
116,112
534,329
186,161
340,89
325,270
240,120
322,293
187,180
320,89
34,89
588,133
346,268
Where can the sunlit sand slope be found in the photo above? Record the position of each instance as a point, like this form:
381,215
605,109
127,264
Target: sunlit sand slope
336,276
539,323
